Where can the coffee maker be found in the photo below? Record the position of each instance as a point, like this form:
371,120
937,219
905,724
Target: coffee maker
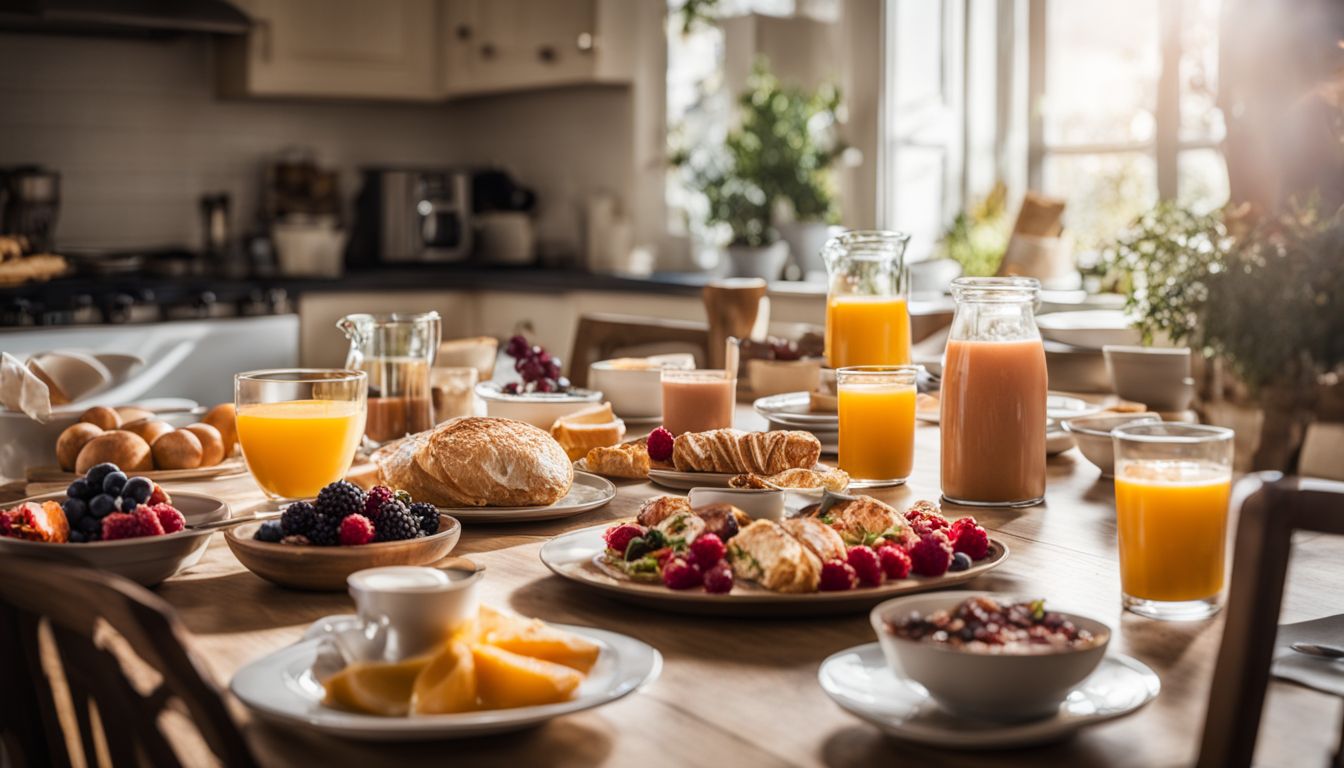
29,199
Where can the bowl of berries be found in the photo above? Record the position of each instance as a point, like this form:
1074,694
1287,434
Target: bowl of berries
541,395
105,520
316,544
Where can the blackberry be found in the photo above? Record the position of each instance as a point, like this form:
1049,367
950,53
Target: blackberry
326,531
428,517
377,495
298,519
395,523
339,499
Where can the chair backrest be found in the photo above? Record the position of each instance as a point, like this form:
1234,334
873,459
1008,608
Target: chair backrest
600,336
1272,507
101,699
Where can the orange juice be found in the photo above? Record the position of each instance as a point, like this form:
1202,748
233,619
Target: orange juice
867,330
295,448
1171,517
877,430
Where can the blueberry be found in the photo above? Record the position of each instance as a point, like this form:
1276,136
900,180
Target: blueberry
79,489
960,562
89,525
74,509
78,537
102,505
269,531
138,489
113,483
99,472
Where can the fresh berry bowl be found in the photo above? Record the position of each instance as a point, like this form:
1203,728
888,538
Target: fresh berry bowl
147,560
540,409
325,568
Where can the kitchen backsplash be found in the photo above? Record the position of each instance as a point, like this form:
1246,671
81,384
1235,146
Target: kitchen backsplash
138,133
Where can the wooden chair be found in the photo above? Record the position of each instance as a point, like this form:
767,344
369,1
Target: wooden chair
1272,508
602,336
72,608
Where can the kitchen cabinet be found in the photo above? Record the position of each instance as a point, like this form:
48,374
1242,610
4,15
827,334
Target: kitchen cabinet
335,48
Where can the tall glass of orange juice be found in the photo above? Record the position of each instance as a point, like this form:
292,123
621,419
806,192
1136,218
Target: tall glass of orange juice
1172,483
877,422
299,428
867,312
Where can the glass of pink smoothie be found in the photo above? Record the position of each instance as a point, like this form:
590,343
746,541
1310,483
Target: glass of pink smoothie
697,400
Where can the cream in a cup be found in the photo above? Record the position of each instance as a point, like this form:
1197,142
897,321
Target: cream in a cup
406,611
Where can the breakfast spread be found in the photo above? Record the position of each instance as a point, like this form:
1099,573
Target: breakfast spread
984,625
797,478
102,505
855,542
500,661
477,462
734,451
343,514
590,428
131,437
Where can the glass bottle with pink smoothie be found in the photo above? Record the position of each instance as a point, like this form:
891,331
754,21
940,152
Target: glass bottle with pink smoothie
993,395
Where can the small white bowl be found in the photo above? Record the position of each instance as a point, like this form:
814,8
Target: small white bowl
1093,435
536,408
636,393
989,686
759,504
1158,377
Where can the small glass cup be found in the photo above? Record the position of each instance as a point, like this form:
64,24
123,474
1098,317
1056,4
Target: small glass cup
1172,484
453,392
299,427
877,422
698,400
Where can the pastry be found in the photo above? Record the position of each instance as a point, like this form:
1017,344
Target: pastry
659,508
476,462
735,451
769,555
630,460
830,479
594,427
863,519
822,402
817,536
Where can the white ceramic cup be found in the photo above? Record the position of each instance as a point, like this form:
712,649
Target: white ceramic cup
404,611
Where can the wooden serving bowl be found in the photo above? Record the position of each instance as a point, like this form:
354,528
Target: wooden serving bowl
325,568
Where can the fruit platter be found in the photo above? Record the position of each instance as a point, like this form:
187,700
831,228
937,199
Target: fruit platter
844,554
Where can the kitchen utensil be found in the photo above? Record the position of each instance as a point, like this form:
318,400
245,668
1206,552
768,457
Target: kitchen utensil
1324,651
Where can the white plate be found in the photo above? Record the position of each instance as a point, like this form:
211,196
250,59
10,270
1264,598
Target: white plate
860,681
281,687
587,492
792,408
1089,329
576,556
685,481
1057,407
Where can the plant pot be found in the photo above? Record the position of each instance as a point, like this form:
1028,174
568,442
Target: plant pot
766,262
805,240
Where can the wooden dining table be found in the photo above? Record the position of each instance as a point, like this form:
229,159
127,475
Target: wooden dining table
744,691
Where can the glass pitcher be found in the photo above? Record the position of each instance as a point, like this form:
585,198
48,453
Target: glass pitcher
397,352
867,315
993,399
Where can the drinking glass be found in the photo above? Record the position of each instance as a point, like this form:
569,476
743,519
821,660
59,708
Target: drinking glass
453,392
1172,483
877,422
867,312
299,427
698,400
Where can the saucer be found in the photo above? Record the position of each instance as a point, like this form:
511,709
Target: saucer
859,680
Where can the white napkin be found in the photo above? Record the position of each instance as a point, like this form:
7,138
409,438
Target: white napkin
22,391
1312,671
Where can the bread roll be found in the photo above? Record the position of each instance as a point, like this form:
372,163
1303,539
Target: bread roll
72,440
149,429
129,413
178,449
125,449
212,444
224,418
104,417
732,450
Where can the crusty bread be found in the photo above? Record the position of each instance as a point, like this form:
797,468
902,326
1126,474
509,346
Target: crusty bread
732,450
477,462
594,427
629,460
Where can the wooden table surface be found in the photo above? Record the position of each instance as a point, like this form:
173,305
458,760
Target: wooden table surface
744,692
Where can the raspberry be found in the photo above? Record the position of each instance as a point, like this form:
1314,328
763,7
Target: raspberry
932,555
44,522
680,574
150,525
837,576
895,562
395,523
618,537
169,517
660,445
428,515
866,565
339,499
298,519
924,518
707,550
719,579
375,498
157,495
9,522
120,525
355,530
969,538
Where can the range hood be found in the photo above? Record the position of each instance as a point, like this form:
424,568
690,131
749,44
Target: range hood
120,17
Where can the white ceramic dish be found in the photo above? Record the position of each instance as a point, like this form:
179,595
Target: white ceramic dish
538,409
1089,329
792,409
636,393
576,556
148,560
588,491
1057,408
1158,377
991,686
1093,435
281,687
758,503
861,683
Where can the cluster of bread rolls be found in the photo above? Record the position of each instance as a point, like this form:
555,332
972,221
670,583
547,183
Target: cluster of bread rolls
133,439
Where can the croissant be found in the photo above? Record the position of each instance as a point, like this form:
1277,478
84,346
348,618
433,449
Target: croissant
735,451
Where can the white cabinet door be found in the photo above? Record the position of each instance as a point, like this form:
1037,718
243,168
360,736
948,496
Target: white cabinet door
494,46
339,48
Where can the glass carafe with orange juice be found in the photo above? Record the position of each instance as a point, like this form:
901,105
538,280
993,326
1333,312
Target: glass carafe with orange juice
1172,485
877,422
993,395
299,428
867,312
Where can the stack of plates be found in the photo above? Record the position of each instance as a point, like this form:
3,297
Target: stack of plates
790,411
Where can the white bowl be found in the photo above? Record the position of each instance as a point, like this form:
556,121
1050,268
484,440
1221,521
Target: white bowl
636,393
1158,377
990,686
538,409
1093,435
759,504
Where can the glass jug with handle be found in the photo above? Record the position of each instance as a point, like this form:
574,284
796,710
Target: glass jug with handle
397,352
867,313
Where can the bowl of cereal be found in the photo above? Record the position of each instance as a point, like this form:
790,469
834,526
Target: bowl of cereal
987,655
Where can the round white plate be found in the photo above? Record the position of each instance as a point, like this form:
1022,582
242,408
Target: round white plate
860,681
576,556
1057,407
587,492
1089,329
281,687
792,408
